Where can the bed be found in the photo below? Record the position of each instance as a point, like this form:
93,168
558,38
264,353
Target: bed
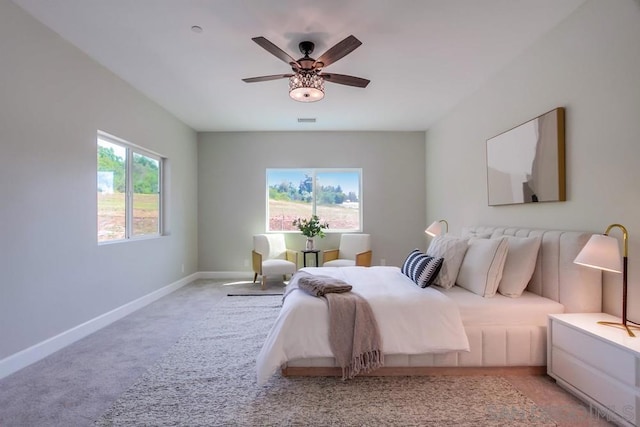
503,334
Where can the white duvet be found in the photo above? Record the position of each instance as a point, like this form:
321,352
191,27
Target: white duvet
411,320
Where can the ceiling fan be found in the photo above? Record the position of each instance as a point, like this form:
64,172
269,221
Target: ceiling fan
306,83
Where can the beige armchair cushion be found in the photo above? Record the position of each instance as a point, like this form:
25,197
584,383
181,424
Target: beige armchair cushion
271,257
354,249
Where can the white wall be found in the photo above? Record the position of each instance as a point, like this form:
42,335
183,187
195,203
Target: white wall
232,189
53,275
589,64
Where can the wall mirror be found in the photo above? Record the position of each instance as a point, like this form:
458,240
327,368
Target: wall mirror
526,164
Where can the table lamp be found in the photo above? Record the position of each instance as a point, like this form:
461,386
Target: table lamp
435,229
603,252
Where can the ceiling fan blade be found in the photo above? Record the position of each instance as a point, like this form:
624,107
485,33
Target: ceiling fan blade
338,51
342,79
266,78
275,50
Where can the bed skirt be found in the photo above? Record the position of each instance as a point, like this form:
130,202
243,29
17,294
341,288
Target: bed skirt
517,349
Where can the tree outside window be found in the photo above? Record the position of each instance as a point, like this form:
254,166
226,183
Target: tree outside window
128,190
332,194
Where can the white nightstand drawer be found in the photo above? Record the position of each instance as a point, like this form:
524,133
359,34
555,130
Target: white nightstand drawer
612,361
612,394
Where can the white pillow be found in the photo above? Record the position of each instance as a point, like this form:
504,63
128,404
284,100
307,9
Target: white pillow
452,249
521,261
482,266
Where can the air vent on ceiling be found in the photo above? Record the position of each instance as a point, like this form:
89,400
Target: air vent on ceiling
306,119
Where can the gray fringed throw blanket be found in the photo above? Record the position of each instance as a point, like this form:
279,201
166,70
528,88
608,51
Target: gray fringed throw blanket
319,286
354,337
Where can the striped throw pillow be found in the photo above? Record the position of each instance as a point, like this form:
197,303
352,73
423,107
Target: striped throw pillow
421,268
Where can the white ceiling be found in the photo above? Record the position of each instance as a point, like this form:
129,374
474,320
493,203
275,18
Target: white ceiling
422,56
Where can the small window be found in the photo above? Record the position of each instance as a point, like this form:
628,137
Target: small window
129,190
332,194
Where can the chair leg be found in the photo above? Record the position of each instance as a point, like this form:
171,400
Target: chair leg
262,286
255,277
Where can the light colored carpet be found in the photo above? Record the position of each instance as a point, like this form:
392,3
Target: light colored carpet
253,293
208,379
249,288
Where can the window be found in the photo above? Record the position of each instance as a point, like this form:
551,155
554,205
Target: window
332,194
129,190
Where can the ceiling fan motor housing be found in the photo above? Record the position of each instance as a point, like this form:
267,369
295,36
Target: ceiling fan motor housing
306,47
306,63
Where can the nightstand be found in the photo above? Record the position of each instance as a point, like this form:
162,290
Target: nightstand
310,251
599,364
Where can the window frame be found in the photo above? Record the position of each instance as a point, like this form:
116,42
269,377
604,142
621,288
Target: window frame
130,149
313,172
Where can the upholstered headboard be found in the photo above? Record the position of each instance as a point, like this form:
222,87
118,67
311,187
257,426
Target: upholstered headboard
556,277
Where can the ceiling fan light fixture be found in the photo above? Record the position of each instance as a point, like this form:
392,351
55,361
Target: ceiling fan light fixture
306,87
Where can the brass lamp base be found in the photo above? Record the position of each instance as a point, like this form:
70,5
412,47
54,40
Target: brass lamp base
622,326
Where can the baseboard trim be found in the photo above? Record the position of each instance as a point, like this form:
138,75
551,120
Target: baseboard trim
39,351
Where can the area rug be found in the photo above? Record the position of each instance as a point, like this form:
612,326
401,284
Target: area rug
249,288
208,379
254,293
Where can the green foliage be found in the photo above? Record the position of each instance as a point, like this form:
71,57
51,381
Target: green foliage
330,195
325,195
145,171
305,189
283,191
311,227
145,175
274,194
108,161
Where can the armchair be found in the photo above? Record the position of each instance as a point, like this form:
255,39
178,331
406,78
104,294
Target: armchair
354,249
271,257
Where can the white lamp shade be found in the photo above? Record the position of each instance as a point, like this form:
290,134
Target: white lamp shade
435,229
601,252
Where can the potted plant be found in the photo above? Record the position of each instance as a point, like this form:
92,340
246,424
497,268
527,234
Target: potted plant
311,228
